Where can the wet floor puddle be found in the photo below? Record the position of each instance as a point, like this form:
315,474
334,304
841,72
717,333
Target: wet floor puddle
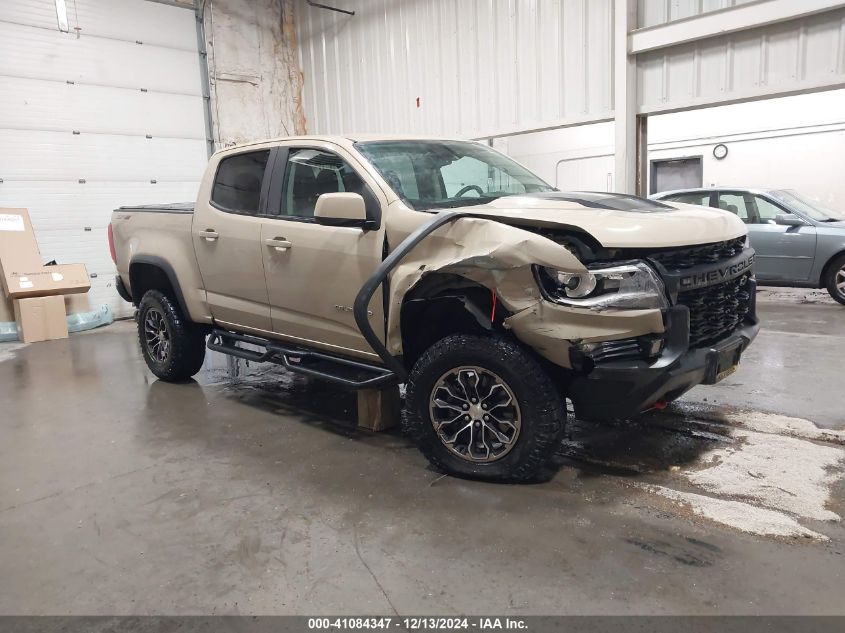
759,473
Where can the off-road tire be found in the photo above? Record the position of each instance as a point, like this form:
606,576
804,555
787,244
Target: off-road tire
542,407
187,341
833,270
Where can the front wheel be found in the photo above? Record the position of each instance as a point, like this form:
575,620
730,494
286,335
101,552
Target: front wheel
835,281
483,407
173,347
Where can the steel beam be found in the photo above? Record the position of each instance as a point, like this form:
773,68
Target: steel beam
624,98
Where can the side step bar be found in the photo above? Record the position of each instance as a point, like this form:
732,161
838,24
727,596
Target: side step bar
357,374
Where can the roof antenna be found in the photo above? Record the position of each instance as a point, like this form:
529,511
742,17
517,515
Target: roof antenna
323,6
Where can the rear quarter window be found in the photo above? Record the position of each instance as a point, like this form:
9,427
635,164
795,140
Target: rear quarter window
237,185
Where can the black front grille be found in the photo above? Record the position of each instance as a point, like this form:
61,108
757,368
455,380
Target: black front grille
689,256
717,310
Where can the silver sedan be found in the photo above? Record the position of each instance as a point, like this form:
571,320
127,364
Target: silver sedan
798,241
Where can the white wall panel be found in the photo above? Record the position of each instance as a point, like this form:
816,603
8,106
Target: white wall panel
791,57
45,155
129,20
478,67
35,104
68,205
43,161
27,51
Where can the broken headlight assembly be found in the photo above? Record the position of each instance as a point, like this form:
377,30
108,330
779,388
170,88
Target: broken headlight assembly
630,285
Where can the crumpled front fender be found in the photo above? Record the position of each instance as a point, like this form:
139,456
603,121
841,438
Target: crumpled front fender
493,254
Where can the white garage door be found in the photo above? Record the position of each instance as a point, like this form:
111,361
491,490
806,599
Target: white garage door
107,114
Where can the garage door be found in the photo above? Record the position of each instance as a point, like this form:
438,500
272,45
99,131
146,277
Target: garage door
106,114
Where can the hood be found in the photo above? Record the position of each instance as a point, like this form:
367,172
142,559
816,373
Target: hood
618,221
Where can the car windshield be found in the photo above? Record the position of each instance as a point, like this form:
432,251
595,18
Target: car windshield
445,174
810,208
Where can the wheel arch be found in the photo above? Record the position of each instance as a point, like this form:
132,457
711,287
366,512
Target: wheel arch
147,272
822,281
441,304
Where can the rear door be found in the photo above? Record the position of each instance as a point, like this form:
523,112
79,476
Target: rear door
315,271
227,240
784,253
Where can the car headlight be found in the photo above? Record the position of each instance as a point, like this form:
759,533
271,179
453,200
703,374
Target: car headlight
630,285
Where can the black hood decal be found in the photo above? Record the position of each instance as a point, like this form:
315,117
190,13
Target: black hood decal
602,200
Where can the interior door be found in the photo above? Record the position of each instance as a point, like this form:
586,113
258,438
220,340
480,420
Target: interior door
314,271
227,241
676,173
784,253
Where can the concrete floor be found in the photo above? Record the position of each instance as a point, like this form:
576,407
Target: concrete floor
254,494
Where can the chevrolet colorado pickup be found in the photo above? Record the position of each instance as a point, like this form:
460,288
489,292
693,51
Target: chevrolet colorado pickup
446,266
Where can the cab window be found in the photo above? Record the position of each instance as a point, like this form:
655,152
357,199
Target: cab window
766,211
701,198
736,203
310,174
237,184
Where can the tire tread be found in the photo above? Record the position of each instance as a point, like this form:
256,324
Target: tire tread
187,341
549,409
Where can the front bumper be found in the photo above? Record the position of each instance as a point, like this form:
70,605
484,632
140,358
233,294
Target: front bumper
618,390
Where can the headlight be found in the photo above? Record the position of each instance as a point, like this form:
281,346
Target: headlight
632,285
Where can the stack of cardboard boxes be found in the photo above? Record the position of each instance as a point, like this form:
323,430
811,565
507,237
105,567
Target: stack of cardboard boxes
32,292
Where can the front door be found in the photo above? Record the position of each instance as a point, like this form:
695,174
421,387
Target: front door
314,271
227,241
784,253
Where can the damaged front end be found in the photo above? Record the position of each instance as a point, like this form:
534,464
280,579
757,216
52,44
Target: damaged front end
630,331
505,259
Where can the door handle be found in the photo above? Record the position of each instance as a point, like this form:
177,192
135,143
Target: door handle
279,243
209,234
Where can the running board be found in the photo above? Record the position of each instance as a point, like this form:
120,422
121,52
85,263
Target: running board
297,360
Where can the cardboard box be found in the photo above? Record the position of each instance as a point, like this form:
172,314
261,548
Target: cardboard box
7,310
77,303
63,279
74,304
41,318
20,261
18,248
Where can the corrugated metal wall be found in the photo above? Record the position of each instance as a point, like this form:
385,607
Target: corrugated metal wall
478,67
804,54
486,67
654,12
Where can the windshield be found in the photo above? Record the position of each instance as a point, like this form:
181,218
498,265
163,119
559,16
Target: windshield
810,208
444,174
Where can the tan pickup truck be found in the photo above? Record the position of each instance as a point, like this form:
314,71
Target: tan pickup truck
448,267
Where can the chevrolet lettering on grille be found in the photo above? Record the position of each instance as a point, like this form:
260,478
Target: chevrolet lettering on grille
716,275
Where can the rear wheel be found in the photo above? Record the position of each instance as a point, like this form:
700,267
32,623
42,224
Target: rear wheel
483,407
835,281
173,347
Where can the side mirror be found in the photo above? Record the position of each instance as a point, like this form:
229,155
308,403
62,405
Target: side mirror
789,219
341,209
